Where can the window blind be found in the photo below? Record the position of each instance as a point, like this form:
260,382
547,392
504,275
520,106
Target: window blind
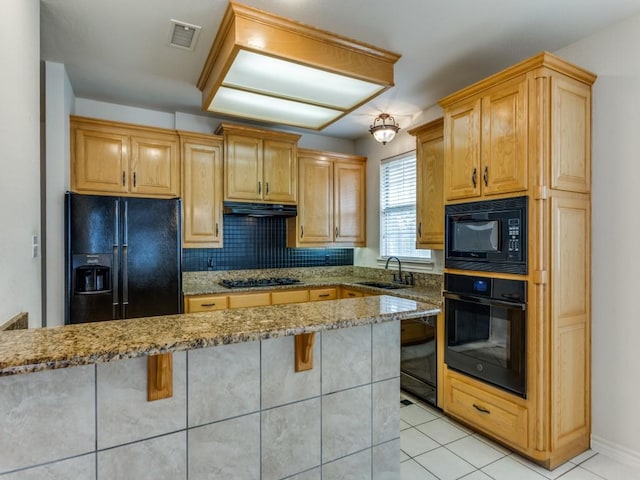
398,208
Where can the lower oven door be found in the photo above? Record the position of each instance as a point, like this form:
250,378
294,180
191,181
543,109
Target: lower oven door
486,339
418,359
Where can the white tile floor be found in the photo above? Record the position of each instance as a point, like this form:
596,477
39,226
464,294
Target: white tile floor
437,448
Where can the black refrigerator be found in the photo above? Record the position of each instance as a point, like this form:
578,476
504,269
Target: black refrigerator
123,257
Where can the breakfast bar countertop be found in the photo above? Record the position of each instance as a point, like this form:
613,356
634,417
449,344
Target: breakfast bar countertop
83,344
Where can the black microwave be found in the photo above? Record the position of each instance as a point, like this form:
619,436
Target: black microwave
488,236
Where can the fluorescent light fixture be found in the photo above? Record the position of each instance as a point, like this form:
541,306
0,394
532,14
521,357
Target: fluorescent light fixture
268,68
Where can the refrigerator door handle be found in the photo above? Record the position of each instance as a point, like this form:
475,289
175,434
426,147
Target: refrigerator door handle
116,263
125,259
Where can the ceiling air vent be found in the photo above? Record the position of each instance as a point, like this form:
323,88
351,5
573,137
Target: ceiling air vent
183,35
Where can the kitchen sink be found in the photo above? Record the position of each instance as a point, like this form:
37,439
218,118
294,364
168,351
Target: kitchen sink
388,286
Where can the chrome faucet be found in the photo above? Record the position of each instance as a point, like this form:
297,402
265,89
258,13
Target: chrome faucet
386,267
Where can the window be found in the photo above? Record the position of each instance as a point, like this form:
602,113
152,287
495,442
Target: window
398,208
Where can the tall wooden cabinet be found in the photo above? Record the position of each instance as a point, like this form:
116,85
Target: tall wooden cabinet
331,206
259,165
429,185
201,190
529,128
114,158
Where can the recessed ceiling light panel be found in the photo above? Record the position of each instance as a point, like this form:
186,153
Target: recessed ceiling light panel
312,76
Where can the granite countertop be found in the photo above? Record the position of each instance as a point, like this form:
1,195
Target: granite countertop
72,345
428,294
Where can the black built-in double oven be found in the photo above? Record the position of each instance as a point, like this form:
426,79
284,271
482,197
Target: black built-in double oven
486,316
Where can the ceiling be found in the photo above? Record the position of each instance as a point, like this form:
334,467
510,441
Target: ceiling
117,51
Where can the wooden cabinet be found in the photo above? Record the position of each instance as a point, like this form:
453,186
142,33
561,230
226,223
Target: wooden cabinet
487,409
535,123
331,207
350,293
122,159
319,294
485,139
259,165
429,185
289,296
201,190
205,303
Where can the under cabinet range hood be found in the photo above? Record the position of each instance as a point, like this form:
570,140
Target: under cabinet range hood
259,209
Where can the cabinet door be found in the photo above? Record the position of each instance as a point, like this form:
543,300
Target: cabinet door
349,203
315,209
429,192
249,300
504,138
202,194
570,135
100,161
155,166
280,172
243,168
289,296
462,151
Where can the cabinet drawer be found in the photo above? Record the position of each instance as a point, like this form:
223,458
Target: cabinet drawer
290,296
494,415
348,293
205,304
323,294
249,300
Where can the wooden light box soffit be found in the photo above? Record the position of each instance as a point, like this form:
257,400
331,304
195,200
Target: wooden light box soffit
268,68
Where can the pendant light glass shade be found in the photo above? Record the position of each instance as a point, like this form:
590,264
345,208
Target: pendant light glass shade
384,128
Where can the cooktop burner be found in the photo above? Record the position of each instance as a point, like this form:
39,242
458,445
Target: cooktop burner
259,282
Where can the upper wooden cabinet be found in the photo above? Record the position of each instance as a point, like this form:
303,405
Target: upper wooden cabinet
201,190
259,165
122,159
331,207
486,142
429,185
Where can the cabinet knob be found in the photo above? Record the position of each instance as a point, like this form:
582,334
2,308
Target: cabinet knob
474,177
485,175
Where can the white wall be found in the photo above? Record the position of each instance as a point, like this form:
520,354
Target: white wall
375,152
20,276
58,105
616,229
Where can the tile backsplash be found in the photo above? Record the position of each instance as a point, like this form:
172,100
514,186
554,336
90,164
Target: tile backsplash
259,242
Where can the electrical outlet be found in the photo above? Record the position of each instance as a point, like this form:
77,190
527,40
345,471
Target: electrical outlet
34,246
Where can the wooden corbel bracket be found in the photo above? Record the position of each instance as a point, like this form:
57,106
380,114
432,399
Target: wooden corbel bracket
304,351
159,376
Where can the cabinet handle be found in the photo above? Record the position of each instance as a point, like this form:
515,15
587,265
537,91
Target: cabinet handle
301,231
124,179
212,305
351,294
266,186
474,177
337,232
420,230
485,175
259,188
323,295
134,179
481,409
216,229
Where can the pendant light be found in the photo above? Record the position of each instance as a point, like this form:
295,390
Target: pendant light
384,128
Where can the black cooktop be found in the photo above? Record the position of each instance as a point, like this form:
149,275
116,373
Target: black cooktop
259,282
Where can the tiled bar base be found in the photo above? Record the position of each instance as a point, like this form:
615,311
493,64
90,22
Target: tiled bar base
238,411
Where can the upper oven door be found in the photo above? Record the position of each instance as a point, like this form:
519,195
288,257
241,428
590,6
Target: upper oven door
486,339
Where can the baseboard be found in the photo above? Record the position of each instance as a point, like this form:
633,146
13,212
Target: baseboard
617,452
